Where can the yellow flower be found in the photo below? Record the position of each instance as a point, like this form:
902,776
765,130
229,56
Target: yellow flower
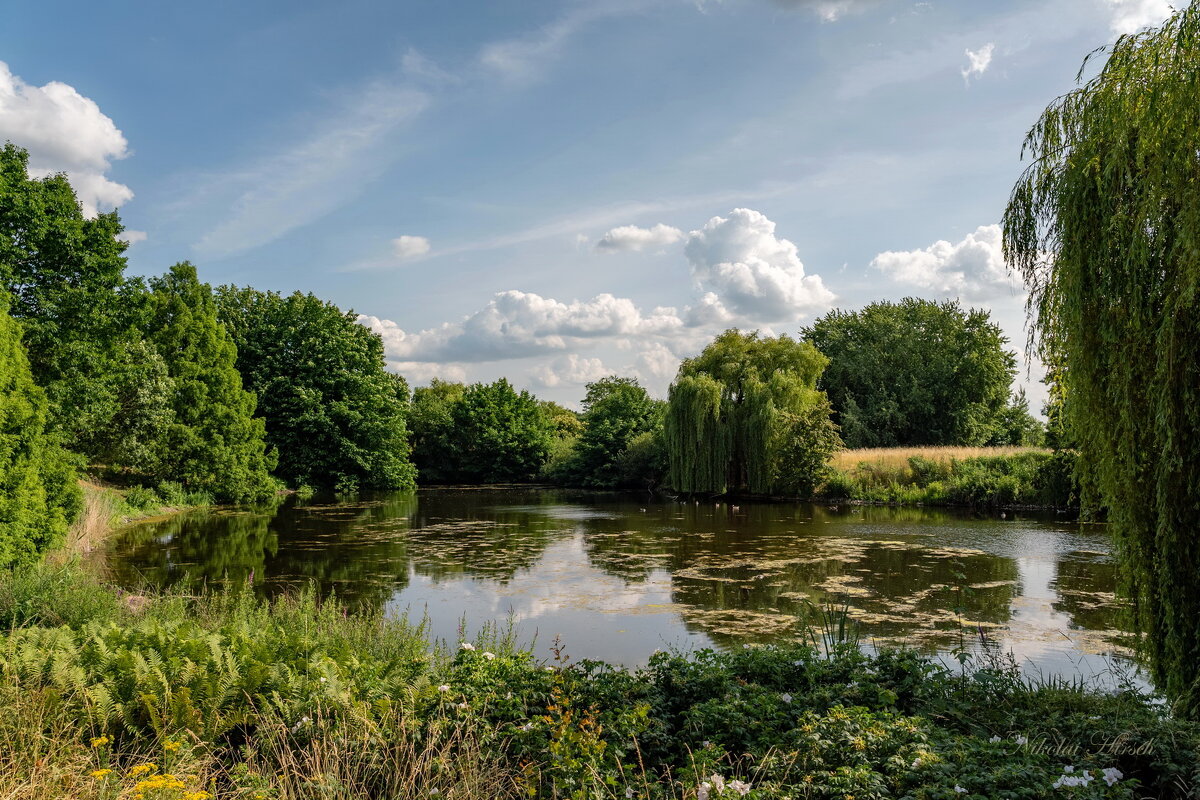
171,746
197,796
859,744
100,774
100,741
142,769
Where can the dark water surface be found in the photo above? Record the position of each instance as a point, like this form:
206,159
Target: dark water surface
618,577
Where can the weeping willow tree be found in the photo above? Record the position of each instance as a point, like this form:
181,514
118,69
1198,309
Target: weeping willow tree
1104,224
746,415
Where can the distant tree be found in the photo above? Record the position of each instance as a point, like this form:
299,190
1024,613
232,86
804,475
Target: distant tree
66,277
1016,426
431,425
498,434
914,372
39,495
333,412
565,423
615,411
746,414
1104,225
213,442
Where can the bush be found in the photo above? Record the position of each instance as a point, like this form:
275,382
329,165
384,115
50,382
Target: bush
140,498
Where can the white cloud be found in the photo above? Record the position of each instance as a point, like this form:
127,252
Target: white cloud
518,324
569,370
310,177
524,58
1131,16
978,61
753,274
656,360
973,268
64,132
132,237
422,372
828,10
407,247
632,238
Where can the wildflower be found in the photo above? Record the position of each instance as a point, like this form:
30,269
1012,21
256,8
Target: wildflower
100,741
859,744
718,782
322,679
1112,775
488,656
463,704
628,793
785,697
142,769
994,739
706,744
959,790
201,795
740,787
702,792
467,646
528,726
1021,740
101,774
443,688
171,746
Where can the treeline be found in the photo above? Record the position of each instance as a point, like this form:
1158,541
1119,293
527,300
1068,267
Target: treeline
231,394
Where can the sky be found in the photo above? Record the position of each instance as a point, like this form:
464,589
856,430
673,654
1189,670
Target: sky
558,190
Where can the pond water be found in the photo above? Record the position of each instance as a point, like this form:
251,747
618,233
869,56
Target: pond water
617,577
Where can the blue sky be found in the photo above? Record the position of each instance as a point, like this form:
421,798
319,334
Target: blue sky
554,191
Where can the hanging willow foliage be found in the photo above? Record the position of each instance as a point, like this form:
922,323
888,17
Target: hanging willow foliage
1104,225
745,415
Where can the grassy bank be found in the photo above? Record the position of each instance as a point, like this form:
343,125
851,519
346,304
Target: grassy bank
991,477
106,508
109,695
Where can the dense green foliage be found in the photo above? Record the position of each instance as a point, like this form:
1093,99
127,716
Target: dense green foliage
1104,225
213,442
297,699
482,433
333,412
38,493
746,414
916,372
615,412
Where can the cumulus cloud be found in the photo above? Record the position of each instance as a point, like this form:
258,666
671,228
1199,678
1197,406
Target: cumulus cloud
518,324
1131,16
753,273
972,268
656,360
64,132
406,247
632,238
570,370
132,237
978,61
421,372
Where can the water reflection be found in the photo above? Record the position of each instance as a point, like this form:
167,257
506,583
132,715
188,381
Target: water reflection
619,577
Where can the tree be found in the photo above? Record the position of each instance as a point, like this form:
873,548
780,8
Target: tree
430,425
333,412
39,496
1016,427
914,372
615,411
1104,226
213,442
66,277
498,434
746,414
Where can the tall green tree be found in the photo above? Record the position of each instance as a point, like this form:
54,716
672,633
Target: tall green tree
431,426
916,372
746,415
615,411
498,434
212,441
333,412
1104,225
39,496
66,277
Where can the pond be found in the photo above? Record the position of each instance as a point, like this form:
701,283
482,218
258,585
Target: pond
617,577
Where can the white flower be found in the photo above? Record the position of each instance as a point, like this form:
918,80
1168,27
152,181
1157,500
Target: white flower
463,704
1112,775
994,739
718,782
322,680
467,646
443,688
1021,740
1068,770
628,792
798,663
785,697
741,788
528,726
702,792
487,655
434,792
706,744
959,790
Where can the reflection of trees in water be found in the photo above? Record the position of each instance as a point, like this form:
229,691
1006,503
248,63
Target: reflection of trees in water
1085,591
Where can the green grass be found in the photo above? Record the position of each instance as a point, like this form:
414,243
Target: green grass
239,698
